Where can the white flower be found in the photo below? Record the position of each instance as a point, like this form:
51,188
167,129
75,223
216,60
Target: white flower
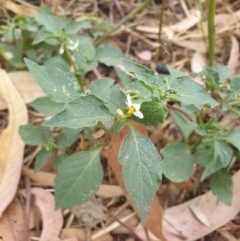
133,108
73,46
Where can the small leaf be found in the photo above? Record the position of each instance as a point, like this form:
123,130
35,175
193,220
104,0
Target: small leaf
79,177
185,124
221,185
119,125
221,158
234,138
85,111
34,135
85,56
154,112
235,84
101,88
50,22
142,170
42,158
109,55
117,100
67,137
177,162
60,85
46,106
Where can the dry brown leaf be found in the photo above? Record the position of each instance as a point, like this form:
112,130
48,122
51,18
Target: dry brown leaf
234,55
180,27
77,233
12,147
52,220
179,222
26,85
154,217
197,45
45,179
19,9
109,191
13,225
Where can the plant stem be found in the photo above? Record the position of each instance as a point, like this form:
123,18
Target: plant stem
211,31
70,59
135,11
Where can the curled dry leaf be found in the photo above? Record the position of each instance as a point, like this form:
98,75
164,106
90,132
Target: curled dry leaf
26,86
19,9
52,220
13,225
234,55
180,223
12,147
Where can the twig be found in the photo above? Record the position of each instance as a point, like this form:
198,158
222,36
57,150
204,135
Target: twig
135,11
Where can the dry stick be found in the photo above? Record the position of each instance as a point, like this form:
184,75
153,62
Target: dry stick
135,11
160,26
211,30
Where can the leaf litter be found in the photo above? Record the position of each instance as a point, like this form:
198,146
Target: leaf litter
197,217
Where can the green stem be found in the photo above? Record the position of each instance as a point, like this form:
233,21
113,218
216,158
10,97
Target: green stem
135,11
70,59
211,31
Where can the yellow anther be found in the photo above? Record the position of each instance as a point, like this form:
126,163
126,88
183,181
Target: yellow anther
131,110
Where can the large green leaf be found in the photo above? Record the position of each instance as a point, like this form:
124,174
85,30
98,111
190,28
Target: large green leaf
79,177
221,185
177,162
85,111
60,85
46,106
188,91
34,135
109,55
142,170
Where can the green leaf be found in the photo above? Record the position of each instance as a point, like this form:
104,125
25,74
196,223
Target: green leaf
154,112
85,111
235,84
219,156
85,56
101,88
67,137
60,85
79,177
177,162
41,35
142,170
119,125
117,100
185,124
46,106
234,138
51,23
34,135
191,93
42,158
221,185
109,55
